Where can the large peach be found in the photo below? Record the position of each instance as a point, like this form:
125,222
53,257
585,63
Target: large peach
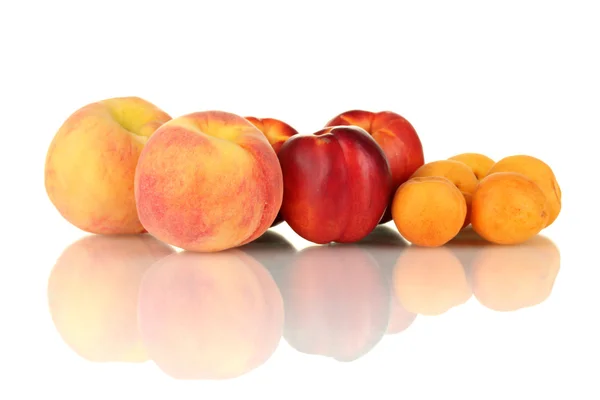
276,132
396,136
91,161
337,302
93,295
209,316
337,184
208,181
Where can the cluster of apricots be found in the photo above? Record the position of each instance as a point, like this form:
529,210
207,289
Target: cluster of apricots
210,181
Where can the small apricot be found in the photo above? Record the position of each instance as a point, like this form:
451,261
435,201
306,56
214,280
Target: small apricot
538,171
468,201
479,163
457,172
428,211
508,208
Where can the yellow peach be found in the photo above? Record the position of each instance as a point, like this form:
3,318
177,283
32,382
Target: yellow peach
90,164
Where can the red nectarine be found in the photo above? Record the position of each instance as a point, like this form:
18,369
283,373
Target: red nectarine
396,136
337,183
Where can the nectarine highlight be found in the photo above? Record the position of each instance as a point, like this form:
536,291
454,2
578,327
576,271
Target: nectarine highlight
208,181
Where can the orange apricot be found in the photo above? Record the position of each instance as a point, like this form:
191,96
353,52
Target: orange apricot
479,163
428,211
457,172
538,171
468,201
508,208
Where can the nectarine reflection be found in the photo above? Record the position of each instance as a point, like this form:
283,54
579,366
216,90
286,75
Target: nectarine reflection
337,302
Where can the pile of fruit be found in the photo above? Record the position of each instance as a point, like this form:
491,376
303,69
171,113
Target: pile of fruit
210,181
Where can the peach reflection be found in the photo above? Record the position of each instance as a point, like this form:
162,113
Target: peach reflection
508,278
210,316
93,292
337,301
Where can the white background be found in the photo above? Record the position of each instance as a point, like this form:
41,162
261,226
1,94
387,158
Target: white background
499,78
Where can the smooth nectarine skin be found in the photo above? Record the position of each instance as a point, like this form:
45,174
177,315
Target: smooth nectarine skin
208,181
430,281
337,184
508,278
91,161
508,208
337,302
429,211
209,316
539,172
396,136
276,132
93,295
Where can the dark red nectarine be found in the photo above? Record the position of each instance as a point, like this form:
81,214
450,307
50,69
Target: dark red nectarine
337,183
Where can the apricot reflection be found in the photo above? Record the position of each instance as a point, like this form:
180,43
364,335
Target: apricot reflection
508,278
337,301
210,316
430,281
93,294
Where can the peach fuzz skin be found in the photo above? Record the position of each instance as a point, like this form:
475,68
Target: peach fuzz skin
337,184
208,181
396,136
276,132
90,164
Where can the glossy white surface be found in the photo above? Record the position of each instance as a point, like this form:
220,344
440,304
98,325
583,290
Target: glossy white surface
495,78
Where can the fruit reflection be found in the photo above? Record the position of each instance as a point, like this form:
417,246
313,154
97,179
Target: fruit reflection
209,316
385,245
337,302
508,278
273,251
93,292
430,281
